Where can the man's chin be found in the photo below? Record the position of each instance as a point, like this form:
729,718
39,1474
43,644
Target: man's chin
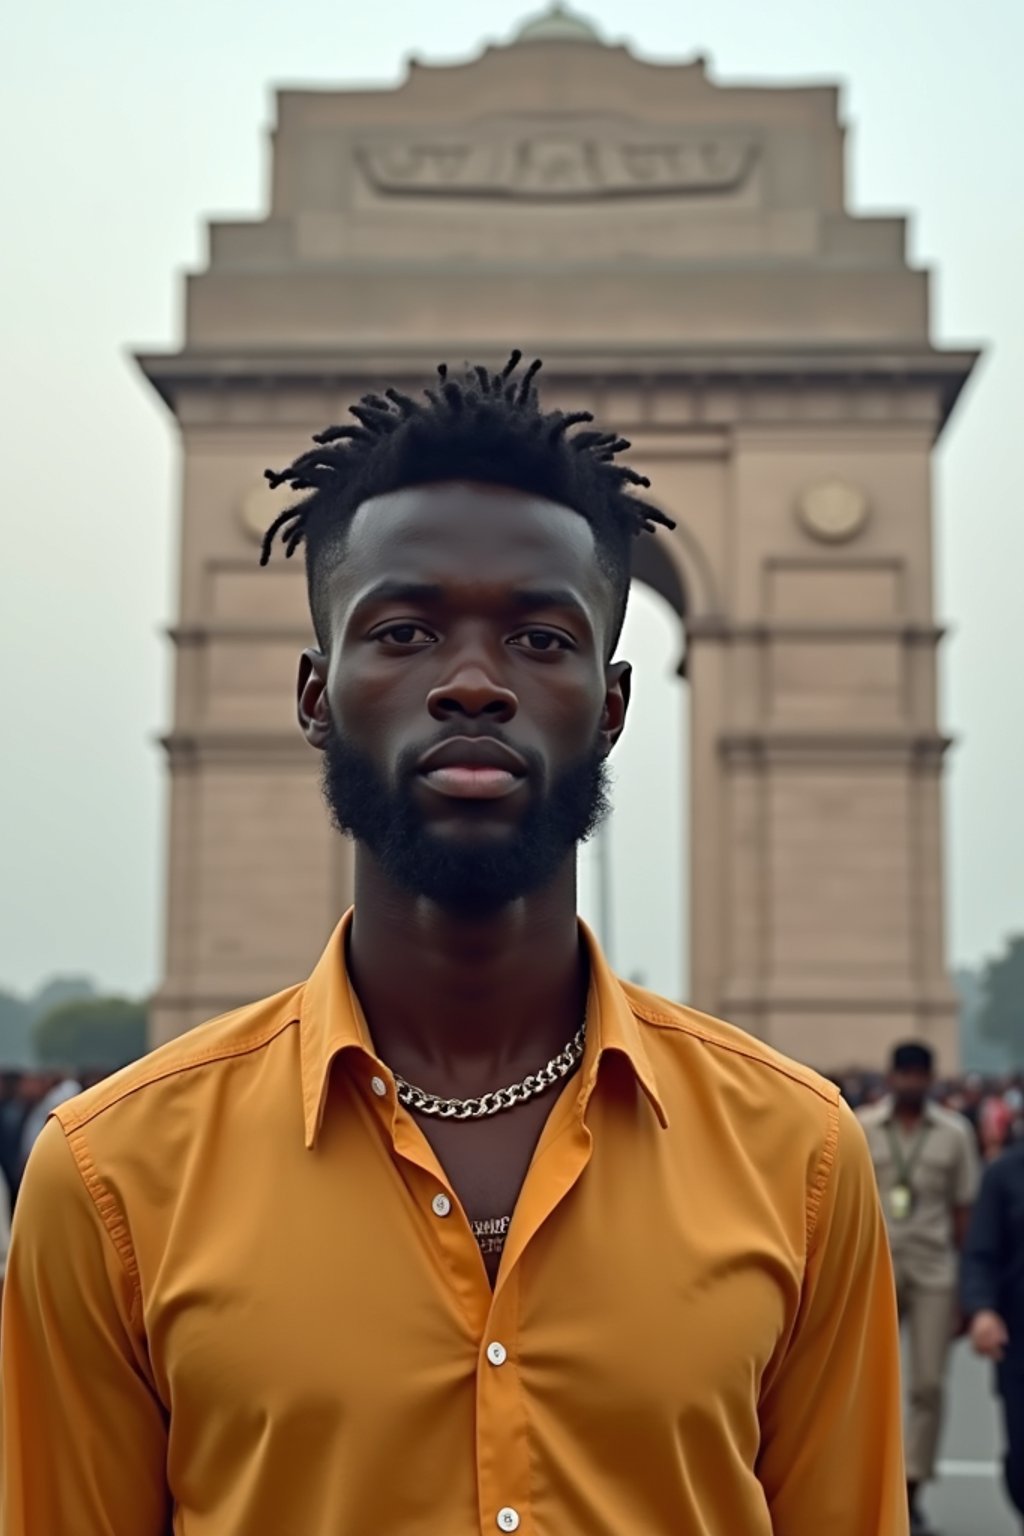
478,839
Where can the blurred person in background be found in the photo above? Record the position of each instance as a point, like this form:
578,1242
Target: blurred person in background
1014,1097
969,1099
52,1089
13,1109
854,1089
995,1125
992,1297
926,1164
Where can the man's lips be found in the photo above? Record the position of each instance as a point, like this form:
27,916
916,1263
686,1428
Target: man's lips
472,768
466,783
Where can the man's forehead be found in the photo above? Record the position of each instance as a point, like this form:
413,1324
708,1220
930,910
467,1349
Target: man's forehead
457,529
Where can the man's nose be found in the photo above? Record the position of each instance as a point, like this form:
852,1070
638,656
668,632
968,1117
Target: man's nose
472,691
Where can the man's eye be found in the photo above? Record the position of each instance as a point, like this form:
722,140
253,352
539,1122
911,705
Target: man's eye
542,641
405,634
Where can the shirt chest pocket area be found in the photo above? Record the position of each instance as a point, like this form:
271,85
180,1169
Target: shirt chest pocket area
934,1172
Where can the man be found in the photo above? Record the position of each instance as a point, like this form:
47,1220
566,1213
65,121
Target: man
992,1296
463,1234
969,1102
927,1168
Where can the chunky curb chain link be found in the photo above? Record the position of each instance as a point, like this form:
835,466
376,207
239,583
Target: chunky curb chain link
534,1083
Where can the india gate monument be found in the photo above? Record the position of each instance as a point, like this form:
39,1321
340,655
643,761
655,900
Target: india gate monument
680,254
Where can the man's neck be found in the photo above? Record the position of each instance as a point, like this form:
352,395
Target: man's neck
907,1117
460,1004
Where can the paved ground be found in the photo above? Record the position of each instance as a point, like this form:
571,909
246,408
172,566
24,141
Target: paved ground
969,1499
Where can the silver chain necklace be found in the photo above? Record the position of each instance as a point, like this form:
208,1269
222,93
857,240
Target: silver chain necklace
558,1067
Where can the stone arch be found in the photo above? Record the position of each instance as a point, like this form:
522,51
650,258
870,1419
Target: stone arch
659,567
676,567
640,846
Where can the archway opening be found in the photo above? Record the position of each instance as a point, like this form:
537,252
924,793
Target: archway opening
634,874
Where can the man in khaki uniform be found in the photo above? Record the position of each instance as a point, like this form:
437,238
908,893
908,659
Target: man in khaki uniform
926,1163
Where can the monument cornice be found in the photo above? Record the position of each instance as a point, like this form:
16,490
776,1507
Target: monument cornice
755,748
797,368
201,634
254,747
715,627
856,1000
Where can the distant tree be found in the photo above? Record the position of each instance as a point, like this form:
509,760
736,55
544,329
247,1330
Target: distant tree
1002,1010
58,990
92,1032
15,1031
978,1053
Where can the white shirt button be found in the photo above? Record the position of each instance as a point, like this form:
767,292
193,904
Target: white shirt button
379,1086
508,1519
442,1207
497,1354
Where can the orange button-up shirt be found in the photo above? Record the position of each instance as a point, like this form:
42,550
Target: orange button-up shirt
237,1306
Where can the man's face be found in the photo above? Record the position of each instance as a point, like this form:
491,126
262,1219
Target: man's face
465,708
911,1087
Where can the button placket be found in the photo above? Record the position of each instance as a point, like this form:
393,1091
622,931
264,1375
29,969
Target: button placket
502,1440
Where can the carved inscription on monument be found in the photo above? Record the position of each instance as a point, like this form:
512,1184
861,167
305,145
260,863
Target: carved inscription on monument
558,165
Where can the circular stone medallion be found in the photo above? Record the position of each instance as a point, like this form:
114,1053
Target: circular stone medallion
833,511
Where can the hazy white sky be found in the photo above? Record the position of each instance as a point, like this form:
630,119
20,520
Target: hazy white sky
124,126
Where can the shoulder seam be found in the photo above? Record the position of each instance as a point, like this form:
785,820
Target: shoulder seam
109,1213
666,1021
823,1173
75,1123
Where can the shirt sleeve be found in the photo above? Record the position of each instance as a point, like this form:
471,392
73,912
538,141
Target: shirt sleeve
968,1172
82,1432
984,1250
831,1423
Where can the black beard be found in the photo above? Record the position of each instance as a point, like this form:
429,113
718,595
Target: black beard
465,879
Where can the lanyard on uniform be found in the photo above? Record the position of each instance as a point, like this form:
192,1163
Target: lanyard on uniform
906,1166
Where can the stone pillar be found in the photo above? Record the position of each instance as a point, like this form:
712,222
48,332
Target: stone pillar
256,877
832,755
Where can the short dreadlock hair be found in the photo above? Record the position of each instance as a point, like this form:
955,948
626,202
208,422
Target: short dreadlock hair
482,426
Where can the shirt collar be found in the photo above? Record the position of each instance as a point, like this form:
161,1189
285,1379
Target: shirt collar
612,1026
331,1022
887,1108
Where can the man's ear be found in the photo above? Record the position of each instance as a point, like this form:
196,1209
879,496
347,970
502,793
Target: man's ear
618,681
314,715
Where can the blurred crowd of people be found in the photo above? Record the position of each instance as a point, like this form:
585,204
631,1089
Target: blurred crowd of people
993,1105
948,1157
26,1099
